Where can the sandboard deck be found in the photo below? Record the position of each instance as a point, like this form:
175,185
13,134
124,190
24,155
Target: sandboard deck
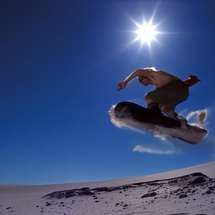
138,116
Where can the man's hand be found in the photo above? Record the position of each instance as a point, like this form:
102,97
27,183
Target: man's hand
121,85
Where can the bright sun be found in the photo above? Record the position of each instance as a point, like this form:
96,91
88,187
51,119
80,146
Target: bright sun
146,33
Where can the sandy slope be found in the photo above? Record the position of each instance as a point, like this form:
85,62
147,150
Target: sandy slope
176,192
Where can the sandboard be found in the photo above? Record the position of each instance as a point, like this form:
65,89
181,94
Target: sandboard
135,115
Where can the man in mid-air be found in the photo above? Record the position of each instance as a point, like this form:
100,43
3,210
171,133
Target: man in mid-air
169,92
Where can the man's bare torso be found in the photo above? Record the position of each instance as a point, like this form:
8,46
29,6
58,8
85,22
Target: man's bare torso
159,78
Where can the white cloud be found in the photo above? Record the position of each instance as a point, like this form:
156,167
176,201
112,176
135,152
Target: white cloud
140,148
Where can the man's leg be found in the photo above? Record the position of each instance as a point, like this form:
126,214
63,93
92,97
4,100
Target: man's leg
170,112
151,103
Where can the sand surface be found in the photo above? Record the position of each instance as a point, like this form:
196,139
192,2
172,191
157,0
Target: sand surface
184,191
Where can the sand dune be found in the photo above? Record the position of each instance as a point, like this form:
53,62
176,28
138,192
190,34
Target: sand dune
185,191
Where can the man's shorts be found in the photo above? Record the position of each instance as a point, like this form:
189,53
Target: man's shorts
170,94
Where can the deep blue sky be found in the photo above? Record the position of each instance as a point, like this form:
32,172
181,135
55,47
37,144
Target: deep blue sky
60,63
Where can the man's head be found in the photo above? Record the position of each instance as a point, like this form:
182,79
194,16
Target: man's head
144,80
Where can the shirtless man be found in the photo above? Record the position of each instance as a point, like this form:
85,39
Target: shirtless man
169,92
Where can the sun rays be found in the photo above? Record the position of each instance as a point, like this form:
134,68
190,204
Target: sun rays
146,33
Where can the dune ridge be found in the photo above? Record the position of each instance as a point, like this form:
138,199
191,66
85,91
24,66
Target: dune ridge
179,192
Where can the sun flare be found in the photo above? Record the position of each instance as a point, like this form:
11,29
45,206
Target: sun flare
146,33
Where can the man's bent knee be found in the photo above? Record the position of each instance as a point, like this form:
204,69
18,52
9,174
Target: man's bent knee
149,100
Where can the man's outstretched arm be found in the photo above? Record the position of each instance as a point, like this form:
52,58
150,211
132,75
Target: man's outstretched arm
133,75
